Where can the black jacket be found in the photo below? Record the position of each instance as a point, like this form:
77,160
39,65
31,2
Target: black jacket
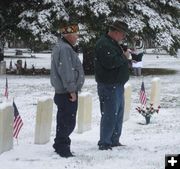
111,66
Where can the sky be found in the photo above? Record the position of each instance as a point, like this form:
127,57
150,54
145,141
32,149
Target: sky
146,145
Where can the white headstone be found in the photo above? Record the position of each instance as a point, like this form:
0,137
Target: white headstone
127,97
178,53
43,121
84,112
81,57
2,67
155,92
6,127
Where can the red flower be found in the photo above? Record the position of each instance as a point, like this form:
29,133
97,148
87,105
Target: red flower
147,111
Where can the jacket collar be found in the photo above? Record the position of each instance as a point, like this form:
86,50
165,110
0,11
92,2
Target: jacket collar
66,41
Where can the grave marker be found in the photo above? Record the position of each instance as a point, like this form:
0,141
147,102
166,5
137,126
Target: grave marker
155,92
84,112
6,127
43,121
127,98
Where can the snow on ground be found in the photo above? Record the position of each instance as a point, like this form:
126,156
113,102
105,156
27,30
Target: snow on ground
146,144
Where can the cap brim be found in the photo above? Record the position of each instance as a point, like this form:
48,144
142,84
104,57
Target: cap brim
119,29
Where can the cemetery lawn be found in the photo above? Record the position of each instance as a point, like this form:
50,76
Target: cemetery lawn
146,145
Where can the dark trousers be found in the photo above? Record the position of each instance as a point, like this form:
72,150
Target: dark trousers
137,58
66,120
1,57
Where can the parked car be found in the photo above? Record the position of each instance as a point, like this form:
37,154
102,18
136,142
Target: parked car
18,52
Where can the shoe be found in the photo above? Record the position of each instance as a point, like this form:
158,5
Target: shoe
117,144
105,147
63,153
66,154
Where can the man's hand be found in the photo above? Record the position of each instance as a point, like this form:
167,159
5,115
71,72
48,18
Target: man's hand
126,53
72,97
133,61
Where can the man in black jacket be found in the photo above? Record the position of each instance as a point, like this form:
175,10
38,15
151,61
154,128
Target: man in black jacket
111,73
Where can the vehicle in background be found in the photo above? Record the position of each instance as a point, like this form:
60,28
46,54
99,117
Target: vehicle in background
18,52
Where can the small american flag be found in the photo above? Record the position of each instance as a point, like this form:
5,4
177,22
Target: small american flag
18,123
6,89
143,98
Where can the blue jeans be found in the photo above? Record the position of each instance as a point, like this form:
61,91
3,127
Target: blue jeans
111,99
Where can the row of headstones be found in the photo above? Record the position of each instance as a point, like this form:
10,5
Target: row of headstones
19,69
44,116
2,67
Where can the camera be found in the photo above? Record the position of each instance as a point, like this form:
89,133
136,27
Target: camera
124,47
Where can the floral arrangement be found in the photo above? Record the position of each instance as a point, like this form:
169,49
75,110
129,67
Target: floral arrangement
147,111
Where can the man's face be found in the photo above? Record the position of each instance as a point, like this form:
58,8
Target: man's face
136,37
120,36
72,38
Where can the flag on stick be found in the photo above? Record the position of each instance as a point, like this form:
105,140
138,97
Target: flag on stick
143,98
10,65
6,89
25,65
18,123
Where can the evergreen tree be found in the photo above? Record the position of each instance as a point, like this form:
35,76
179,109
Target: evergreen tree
158,21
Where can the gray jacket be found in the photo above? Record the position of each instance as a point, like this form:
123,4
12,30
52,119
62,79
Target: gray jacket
67,73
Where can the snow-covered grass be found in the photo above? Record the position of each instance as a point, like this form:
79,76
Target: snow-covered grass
146,145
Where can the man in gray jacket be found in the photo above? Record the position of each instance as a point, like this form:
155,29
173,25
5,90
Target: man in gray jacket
67,78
